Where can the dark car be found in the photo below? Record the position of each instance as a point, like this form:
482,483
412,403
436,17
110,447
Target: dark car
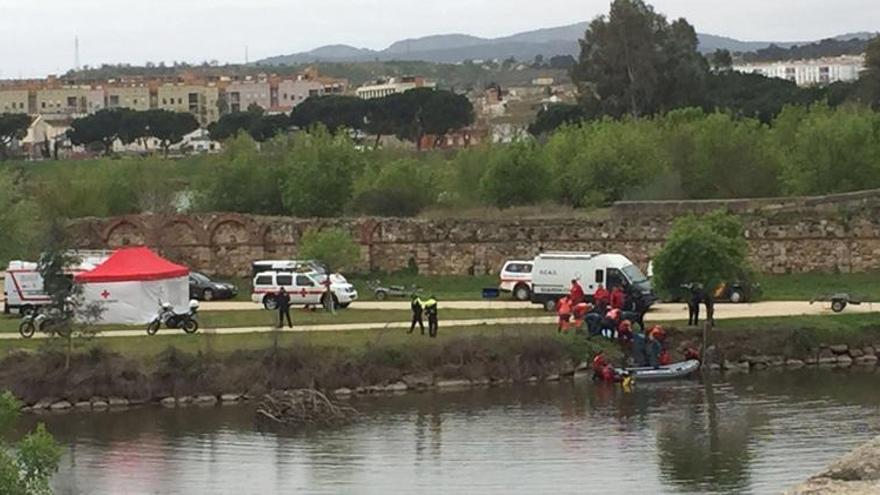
204,289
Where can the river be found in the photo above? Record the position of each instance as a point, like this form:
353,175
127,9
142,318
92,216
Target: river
758,433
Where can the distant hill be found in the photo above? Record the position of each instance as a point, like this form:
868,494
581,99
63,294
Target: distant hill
454,48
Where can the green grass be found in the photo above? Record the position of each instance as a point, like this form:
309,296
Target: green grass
223,344
262,318
806,286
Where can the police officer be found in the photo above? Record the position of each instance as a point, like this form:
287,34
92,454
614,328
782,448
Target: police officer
430,306
282,301
416,306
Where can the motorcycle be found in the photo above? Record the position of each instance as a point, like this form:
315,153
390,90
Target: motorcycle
47,321
183,321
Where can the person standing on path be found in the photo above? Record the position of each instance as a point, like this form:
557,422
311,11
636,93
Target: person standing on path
416,306
282,301
430,307
695,298
576,294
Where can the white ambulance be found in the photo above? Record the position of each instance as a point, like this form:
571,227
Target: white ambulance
304,288
553,272
23,285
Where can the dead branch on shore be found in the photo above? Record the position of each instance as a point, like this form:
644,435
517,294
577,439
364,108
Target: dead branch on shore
303,407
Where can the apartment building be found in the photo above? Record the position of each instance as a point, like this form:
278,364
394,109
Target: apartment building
201,101
14,101
69,101
132,97
293,92
815,72
392,86
242,94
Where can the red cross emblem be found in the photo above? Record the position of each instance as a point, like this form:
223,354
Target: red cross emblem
303,292
105,294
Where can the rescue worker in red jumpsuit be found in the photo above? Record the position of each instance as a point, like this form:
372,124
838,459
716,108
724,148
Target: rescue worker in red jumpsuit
599,365
617,298
563,310
602,299
576,293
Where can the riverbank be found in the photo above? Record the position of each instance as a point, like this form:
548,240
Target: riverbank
180,370
857,473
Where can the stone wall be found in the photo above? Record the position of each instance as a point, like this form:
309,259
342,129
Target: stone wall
824,236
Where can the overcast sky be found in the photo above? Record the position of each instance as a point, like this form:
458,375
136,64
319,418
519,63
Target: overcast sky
37,36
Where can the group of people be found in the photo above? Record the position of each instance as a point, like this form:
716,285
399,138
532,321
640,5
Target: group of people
606,316
426,307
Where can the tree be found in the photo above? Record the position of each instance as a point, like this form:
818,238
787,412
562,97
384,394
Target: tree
333,247
245,180
13,126
20,219
708,250
555,116
102,127
634,62
254,121
318,178
870,79
512,176
722,60
334,112
427,112
754,95
26,467
71,318
829,150
169,127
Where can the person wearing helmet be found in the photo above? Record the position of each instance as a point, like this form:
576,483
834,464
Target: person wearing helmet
430,306
416,307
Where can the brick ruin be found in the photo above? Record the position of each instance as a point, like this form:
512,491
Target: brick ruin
831,233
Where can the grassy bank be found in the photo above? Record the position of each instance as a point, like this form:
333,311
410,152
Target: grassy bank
262,318
149,369
806,286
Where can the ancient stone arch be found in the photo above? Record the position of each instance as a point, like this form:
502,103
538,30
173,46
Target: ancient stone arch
231,230
126,231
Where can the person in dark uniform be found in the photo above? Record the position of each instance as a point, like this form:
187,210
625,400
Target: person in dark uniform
416,306
696,295
430,306
282,301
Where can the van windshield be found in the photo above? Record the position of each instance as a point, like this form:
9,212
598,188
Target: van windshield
634,275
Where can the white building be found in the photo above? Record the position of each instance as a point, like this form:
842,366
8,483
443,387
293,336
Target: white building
293,92
815,72
392,86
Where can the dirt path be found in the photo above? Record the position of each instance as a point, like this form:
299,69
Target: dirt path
674,311
663,312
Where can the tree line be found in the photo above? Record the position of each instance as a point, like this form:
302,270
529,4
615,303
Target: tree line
634,62
105,127
410,116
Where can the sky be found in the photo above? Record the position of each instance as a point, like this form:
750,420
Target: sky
37,36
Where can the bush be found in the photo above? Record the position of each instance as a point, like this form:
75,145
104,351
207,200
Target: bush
708,250
318,175
335,247
401,188
515,176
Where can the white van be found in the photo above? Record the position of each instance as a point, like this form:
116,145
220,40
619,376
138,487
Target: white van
23,285
303,289
516,278
553,273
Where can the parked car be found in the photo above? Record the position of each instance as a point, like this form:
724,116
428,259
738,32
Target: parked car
203,288
295,266
738,292
516,278
303,288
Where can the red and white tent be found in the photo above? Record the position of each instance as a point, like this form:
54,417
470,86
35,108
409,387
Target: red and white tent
132,283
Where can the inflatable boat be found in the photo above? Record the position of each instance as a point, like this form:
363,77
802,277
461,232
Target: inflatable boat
669,372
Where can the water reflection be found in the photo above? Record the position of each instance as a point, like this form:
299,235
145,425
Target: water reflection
731,436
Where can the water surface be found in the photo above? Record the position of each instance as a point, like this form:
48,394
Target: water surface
741,434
